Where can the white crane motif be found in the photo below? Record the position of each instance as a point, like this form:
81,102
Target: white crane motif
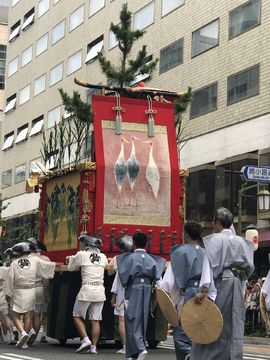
152,176
120,172
133,168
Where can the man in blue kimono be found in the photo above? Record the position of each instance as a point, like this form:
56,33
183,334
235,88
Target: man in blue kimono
223,281
182,278
136,272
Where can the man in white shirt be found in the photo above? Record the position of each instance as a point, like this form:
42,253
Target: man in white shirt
91,296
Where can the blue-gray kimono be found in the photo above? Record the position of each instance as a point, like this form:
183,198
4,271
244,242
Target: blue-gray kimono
186,263
225,251
136,271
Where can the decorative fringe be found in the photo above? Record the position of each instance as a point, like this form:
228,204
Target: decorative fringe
118,119
151,122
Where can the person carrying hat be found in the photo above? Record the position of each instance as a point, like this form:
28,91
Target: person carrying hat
182,278
41,287
124,243
20,284
136,271
91,296
228,263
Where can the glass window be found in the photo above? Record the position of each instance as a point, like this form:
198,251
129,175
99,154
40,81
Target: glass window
87,147
205,38
8,141
243,85
58,32
54,116
27,55
6,178
11,104
204,100
69,157
170,5
43,6
93,48
76,18
3,54
95,5
24,94
37,125
144,17
28,19
33,167
4,3
89,93
13,66
52,162
39,84
14,2
140,77
19,173
245,17
14,31
74,62
22,134
55,1
171,56
42,44
112,40
56,74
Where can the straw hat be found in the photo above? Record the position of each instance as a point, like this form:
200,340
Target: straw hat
202,323
167,307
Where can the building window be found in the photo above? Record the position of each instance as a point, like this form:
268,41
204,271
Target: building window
76,18
43,6
37,125
42,44
171,56
95,5
55,1
14,2
32,166
204,100
74,62
69,155
54,116
93,48
28,19
90,93
8,141
58,32
205,38
170,5
27,55
19,173
56,74
13,66
11,104
112,40
140,77
144,17
6,178
24,94
52,162
14,31
4,3
22,134
3,54
244,18
243,85
87,147
39,84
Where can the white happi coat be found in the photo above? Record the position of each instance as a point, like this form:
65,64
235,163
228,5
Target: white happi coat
40,282
21,278
3,302
92,264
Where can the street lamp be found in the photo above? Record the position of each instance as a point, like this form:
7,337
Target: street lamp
263,203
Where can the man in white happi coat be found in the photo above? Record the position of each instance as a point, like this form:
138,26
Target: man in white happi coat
4,310
91,296
265,303
41,284
20,284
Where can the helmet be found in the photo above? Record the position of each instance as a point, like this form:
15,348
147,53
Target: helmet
91,240
10,251
124,243
21,247
37,244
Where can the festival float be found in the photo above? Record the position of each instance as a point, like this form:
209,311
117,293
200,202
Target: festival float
133,183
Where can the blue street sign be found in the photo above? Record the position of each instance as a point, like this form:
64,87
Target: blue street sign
256,173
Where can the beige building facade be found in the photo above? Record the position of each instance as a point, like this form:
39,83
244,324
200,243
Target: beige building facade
219,48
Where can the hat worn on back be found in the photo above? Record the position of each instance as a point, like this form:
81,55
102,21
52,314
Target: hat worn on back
124,243
91,240
21,247
10,251
38,244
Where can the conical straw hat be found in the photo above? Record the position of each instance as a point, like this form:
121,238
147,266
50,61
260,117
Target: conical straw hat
167,307
202,323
